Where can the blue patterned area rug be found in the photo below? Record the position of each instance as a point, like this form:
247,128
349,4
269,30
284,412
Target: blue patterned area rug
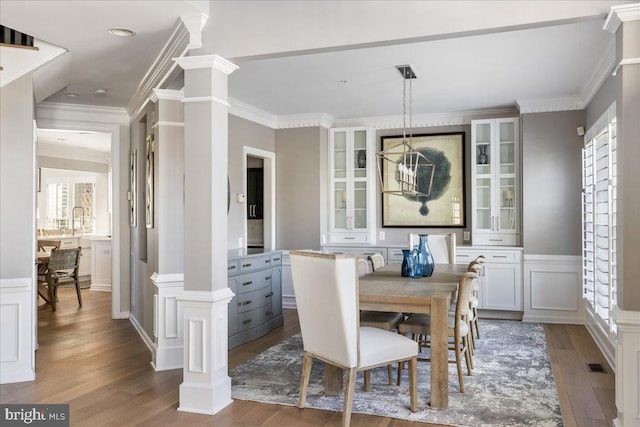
512,383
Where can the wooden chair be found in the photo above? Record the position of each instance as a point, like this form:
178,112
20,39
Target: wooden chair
419,325
326,290
63,269
442,246
377,261
476,266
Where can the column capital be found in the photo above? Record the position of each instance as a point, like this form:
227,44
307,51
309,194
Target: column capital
619,14
206,61
166,94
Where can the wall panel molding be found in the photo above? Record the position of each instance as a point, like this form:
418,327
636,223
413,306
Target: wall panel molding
17,340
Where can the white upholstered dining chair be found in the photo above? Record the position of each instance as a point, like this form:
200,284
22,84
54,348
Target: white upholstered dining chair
326,290
441,246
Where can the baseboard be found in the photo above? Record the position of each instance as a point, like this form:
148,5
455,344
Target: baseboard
121,315
289,301
145,338
602,341
100,288
500,315
538,318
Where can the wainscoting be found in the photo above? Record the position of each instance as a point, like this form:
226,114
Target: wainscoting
17,341
553,289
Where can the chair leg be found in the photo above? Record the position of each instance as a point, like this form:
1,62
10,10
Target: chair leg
367,380
307,360
348,397
52,296
390,373
459,364
467,354
413,383
475,315
78,292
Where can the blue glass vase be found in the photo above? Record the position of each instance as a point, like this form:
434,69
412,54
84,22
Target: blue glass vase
410,264
416,255
425,258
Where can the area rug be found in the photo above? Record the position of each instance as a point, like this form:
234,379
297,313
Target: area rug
512,383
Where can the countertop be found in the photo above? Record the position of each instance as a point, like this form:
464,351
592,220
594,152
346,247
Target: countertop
245,252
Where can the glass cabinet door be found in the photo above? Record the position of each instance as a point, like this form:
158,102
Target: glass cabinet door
340,196
506,196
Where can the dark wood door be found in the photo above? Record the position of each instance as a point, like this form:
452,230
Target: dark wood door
255,193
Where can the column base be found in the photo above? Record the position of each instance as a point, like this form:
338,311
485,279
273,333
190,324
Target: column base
627,367
168,344
208,399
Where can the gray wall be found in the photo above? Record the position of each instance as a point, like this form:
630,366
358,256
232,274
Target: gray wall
299,186
243,133
17,222
552,174
398,236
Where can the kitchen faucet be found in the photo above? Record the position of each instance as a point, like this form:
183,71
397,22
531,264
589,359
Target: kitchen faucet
73,219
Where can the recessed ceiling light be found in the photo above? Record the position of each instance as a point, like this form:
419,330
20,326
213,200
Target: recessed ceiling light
122,32
100,92
72,94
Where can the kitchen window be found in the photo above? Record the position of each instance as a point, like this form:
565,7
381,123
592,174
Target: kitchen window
70,206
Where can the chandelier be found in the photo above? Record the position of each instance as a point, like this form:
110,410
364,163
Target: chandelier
405,164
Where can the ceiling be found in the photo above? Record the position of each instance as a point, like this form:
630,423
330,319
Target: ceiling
487,67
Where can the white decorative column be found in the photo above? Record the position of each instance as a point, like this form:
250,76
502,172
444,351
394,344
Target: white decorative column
168,281
206,386
624,22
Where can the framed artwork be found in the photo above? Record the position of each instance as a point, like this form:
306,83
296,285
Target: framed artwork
440,178
133,194
149,182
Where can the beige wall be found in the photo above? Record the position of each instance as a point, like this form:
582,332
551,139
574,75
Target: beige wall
552,171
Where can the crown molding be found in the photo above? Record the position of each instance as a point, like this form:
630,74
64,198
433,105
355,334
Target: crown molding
195,24
548,105
626,61
161,69
166,94
600,73
206,61
619,14
305,120
79,112
252,114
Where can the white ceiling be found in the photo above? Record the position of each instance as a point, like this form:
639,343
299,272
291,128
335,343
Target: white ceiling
77,140
468,55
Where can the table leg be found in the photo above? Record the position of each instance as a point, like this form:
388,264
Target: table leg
439,354
332,380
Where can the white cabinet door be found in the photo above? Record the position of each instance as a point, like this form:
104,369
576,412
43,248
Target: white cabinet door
502,287
495,182
352,186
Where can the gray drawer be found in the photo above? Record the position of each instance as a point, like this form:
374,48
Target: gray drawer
255,299
254,281
256,263
254,318
232,268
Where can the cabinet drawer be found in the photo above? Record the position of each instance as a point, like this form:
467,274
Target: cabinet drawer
249,265
495,239
490,256
276,259
254,281
252,300
394,255
68,243
232,268
348,238
254,318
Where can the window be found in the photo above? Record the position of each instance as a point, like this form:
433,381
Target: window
599,188
70,207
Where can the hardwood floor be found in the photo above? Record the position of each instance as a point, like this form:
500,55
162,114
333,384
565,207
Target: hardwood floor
101,367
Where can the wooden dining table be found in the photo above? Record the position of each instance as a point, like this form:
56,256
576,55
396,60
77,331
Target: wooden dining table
42,263
386,290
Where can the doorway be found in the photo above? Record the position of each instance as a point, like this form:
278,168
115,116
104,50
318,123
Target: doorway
259,186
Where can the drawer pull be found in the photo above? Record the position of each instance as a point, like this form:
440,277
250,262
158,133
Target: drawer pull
464,256
246,322
499,256
246,265
276,259
269,313
495,240
349,238
247,302
268,261
267,278
231,267
247,283
269,295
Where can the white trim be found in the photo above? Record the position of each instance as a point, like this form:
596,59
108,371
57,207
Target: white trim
626,61
145,337
223,295
206,61
619,14
601,337
626,319
269,212
600,73
161,69
166,94
58,112
167,280
206,99
17,307
168,345
627,362
195,24
251,113
547,105
305,120
166,123
550,259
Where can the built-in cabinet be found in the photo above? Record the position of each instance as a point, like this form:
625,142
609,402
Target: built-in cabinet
352,186
495,177
256,308
101,264
501,280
